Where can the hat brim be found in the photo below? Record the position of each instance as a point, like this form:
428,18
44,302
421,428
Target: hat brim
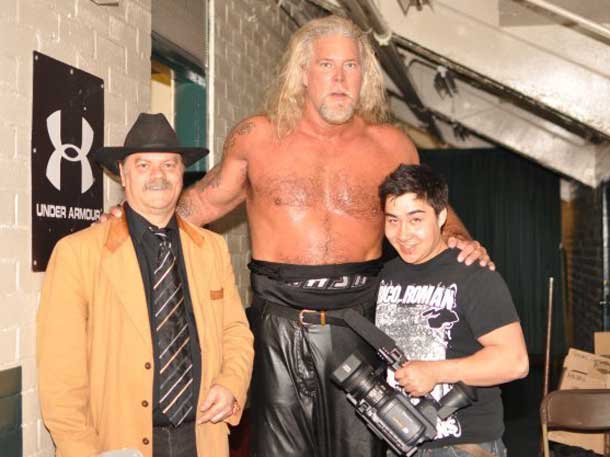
109,157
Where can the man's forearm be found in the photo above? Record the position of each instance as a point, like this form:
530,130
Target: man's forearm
193,207
489,366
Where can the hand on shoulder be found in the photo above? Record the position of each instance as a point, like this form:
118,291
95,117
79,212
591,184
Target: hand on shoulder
471,251
115,212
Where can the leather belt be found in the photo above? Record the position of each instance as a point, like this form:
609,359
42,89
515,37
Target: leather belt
305,317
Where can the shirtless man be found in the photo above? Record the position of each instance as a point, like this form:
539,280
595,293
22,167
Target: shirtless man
309,171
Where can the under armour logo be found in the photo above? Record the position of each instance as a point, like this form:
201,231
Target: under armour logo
54,164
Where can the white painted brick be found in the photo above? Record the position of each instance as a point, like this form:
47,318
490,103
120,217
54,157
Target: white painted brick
115,131
15,107
109,53
8,276
8,78
7,209
92,15
113,191
8,145
91,65
65,8
10,311
123,33
138,65
77,36
30,439
28,373
8,343
23,208
27,341
30,408
17,179
39,16
114,108
139,16
12,32
120,84
143,94
8,12
18,243
28,281
133,110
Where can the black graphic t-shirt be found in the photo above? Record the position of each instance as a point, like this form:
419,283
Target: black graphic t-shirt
436,311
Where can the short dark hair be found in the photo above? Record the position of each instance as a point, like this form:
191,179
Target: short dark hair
420,180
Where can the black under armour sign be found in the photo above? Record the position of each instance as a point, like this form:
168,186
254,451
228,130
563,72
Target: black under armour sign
67,124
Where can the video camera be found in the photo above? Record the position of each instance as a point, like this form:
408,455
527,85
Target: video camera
388,411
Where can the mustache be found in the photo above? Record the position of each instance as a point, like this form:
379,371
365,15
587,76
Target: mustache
158,184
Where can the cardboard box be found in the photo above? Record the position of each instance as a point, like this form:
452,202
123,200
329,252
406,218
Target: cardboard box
583,370
602,343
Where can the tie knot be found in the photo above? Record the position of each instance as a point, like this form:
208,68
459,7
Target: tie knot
162,234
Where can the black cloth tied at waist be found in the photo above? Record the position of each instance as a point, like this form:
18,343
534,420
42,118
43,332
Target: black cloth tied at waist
315,287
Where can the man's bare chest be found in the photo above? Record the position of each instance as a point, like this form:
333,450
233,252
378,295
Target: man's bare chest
333,187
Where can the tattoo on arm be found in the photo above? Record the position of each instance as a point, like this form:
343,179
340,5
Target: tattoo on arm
240,129
211,179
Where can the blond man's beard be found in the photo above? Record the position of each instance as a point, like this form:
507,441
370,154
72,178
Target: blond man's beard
337,114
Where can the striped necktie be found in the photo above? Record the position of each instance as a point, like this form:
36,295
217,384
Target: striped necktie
174,358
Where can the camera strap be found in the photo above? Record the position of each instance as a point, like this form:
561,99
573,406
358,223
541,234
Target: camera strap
374,336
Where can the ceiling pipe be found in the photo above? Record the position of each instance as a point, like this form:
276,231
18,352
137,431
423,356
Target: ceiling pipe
585,23
367,17
498,89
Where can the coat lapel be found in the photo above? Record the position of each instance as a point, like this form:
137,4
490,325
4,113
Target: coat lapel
197,266
120,265
197,260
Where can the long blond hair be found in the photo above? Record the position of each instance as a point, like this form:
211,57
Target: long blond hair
286,96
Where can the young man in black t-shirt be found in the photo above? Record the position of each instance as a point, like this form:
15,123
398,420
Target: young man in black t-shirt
454,322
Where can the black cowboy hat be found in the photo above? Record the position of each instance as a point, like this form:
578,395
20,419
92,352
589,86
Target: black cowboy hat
150,133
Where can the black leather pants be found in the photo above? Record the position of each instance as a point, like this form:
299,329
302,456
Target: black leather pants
296,410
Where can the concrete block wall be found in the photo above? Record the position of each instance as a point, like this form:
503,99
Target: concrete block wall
111,42
250,37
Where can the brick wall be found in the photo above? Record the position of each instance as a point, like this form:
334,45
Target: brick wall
250,37
112,43
583,243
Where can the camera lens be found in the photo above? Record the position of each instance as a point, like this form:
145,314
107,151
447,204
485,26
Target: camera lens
354,376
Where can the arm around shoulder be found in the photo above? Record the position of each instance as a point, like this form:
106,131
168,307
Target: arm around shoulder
224,186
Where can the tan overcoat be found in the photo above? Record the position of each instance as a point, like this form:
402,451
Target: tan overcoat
94,349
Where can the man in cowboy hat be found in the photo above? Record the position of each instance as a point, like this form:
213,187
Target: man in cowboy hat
142,338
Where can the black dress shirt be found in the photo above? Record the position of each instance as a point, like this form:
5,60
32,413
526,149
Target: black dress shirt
147,247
